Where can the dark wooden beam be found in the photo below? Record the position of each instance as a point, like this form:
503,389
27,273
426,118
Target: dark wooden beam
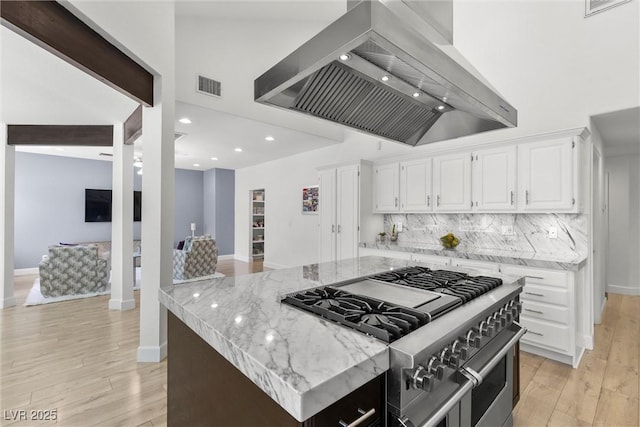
99,136
133,126
54,28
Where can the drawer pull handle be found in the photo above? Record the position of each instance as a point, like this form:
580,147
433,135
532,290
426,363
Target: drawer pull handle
534,277
534,294
360,420
533,311
535,333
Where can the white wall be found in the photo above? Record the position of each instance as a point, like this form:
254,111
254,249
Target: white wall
598,229
622,266
555,66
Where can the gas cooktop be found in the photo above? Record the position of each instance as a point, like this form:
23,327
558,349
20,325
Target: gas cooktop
392,304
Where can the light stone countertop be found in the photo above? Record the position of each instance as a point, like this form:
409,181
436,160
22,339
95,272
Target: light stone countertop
560,261
303,362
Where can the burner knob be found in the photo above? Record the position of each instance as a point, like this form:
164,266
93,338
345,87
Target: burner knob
423,380
448,358
491,321
486,330
506,313
436,368
500,319
473,338
460,350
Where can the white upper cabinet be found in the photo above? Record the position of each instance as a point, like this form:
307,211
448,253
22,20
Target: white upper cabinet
452,182
387,188
494,179
347,211
546,172
415,185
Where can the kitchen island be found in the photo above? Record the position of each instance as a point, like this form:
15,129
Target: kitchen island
302,362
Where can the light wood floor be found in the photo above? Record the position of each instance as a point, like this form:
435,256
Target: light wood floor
603,391
79,358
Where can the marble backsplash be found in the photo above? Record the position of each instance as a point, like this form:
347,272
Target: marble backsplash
485,231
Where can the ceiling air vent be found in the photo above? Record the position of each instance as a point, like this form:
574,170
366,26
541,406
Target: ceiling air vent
209,86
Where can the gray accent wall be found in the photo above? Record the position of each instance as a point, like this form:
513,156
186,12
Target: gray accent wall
225,210
219,208
188,203
49,205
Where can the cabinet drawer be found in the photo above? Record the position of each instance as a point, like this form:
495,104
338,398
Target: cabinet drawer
547,334
548,312
431,259
538,275
480,265
545,294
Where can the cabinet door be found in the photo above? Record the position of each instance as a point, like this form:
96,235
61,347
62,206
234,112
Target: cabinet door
494,179
387,188
327,194
452,182
348,204
415,186
545,175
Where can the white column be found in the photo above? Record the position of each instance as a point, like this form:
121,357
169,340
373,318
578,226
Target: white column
122,224
7,213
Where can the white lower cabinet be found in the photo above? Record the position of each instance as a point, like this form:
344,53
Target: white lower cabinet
551,313
431,259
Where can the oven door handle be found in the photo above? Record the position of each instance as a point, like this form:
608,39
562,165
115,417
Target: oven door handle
437,416
486,369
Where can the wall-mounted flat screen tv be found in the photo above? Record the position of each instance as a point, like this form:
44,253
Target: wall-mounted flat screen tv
97,205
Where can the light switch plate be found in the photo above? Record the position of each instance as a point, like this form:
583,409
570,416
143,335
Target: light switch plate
399,227
553,233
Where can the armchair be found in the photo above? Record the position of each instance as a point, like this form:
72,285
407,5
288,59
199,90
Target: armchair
197,258
72,270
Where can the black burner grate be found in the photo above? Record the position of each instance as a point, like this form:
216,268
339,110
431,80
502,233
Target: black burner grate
447,282
382,320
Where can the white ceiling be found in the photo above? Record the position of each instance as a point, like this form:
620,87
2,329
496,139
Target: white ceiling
65,95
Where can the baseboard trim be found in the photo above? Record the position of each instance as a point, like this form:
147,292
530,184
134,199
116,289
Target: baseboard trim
241,258
274,266
122,305
602,308
226,257
25,271
152,354
7,302
587,340
624,290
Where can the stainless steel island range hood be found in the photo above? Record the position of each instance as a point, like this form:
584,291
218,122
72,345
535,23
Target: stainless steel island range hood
388,68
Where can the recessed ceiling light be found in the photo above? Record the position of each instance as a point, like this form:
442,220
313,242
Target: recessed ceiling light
238,149
415,94
440,107
269,138
185,120
444,99
214,158
345,57
385,78
196,165
59,149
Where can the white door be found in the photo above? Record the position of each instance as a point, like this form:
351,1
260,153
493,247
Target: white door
452,182
415,185
545,175
327,194
348,212
494,179
387,188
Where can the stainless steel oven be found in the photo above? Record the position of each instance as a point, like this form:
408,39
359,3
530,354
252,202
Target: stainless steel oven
484,393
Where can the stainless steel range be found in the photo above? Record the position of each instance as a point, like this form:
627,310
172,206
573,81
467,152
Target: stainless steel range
451,338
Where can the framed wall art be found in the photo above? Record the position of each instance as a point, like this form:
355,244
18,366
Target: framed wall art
310,200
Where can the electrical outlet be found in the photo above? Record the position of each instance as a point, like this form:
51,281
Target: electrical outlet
507,230
553,233
399,227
